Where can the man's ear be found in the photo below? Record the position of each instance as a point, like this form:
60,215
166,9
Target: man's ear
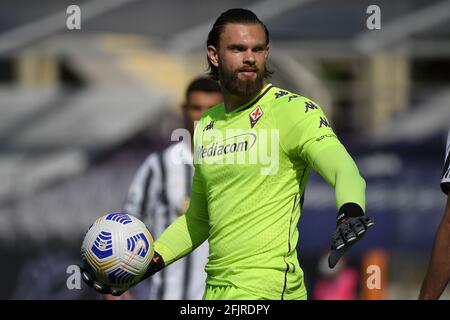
267,51
213,56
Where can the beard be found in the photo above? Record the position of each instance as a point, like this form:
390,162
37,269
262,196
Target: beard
243,88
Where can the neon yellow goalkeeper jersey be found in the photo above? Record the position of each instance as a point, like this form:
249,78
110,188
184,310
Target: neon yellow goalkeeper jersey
251,170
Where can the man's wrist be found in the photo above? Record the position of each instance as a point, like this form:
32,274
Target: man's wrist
156,264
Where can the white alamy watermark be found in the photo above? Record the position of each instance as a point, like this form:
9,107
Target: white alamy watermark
373,21
73,21
374,279
233,147
73,281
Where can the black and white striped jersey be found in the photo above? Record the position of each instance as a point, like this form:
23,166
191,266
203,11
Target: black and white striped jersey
158,195
445,180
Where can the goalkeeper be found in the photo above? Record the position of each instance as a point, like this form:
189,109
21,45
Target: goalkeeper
253,155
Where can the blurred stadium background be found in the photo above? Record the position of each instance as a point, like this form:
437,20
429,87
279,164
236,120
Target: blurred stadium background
81,109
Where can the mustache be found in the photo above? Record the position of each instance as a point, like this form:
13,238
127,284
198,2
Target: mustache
248,69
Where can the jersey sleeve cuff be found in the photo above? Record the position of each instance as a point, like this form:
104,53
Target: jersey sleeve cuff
166,254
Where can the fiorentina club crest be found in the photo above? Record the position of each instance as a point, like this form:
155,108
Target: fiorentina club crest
255,115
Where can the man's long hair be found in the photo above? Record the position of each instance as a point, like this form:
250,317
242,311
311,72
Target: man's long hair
241,16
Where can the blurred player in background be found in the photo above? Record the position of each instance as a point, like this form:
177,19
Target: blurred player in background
438,273
160,193
249,211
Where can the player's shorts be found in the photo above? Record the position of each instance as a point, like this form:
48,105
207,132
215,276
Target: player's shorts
233,293
227,293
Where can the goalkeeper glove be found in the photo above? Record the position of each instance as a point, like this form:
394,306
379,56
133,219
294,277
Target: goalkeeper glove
350,228
88,276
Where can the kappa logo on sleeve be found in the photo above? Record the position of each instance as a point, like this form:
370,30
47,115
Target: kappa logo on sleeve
310,106
280,94
255,115
293,97
323,122
209,126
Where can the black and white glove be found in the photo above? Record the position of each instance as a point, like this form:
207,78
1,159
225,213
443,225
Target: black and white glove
88,276
350,228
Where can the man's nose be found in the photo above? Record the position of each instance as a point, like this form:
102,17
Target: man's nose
249,57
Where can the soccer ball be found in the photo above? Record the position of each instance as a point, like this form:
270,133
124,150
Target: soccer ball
118,248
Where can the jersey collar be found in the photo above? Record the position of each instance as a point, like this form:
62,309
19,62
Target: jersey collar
252,102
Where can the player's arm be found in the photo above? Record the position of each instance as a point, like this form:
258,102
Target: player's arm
189,230
307,135
337,167
185,234
438,273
